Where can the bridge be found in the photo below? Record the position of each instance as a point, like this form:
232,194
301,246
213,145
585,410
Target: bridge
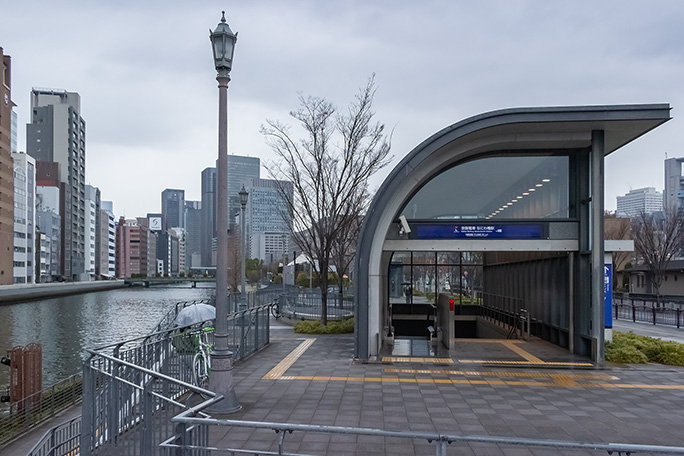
150,281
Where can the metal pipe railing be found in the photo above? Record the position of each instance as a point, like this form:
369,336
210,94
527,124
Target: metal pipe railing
440,441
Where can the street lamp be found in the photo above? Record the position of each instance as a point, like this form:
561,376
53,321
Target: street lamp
243,203
221,381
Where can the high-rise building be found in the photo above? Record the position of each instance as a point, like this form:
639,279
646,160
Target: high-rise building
193,234
135,249
24,218
641,200
49,225
92,232
173,207
6,174
56,139
208,215
674,183
107,244
176,249
241,170
267,219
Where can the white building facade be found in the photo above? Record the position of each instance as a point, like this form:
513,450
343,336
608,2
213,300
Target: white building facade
24,218
92,215
107,240
641,200
48,223
268,225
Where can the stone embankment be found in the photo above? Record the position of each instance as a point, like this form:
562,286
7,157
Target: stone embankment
16,293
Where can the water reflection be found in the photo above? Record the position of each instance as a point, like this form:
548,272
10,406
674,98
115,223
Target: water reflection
66,326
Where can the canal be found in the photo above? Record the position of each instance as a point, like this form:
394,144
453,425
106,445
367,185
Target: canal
66,326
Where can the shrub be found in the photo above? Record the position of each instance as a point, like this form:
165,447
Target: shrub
632,348
345,326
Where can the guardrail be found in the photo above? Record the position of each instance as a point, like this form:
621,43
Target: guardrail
39,407
194,436
308,304
60,440
508,312
638,309
133,388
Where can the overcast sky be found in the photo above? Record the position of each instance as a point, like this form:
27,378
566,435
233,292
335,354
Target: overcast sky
145,73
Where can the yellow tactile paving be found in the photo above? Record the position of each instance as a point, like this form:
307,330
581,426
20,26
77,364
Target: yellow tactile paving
289,360
513,345
526,355
412,359
522,363
551,380
602,377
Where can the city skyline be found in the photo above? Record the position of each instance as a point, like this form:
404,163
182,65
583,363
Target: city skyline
157,107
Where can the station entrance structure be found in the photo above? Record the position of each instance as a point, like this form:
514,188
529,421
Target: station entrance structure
502,210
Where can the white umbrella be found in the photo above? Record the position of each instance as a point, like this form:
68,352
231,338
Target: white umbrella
195,313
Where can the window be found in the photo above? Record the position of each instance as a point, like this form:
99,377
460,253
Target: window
521,187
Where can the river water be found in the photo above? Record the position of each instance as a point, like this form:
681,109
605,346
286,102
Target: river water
65,327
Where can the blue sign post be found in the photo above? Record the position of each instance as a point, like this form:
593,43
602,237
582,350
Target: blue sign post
608,293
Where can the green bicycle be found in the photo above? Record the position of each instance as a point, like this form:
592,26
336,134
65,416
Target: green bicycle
201,362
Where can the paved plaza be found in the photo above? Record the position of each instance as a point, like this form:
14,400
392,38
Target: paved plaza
503,388
496,388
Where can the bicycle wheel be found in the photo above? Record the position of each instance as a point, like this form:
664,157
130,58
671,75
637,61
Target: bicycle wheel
199,369
275,311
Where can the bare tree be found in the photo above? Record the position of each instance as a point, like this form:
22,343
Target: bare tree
329,170
656,240
343,250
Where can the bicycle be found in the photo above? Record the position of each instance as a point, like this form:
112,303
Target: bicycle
201,362
275,309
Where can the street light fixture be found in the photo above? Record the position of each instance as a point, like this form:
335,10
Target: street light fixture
221,381
243,204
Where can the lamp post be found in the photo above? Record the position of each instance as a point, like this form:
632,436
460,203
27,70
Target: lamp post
282,276
243,287
221,381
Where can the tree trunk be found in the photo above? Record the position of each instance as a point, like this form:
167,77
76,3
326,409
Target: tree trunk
323,282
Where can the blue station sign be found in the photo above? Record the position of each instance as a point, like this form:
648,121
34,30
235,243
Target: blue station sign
469,231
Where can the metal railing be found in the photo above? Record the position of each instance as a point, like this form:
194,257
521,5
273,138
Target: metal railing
308,304
39,407
648,310
194,436
133,388
508,312
258,298
60,440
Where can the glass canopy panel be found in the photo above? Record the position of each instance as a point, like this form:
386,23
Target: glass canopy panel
521,187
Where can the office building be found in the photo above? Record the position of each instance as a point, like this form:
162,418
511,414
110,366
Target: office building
56,139
674,183
6,174
208,216
92,232
176,249
135,249
267,219
641,200
173,207
193,234
49,227
24,218
107,240
241,171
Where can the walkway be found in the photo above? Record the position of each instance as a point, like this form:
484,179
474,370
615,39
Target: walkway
648,329
485,387
319,383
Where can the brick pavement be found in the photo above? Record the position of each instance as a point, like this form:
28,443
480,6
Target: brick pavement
325,386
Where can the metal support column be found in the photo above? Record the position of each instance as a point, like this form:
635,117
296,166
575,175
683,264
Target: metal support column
597,248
